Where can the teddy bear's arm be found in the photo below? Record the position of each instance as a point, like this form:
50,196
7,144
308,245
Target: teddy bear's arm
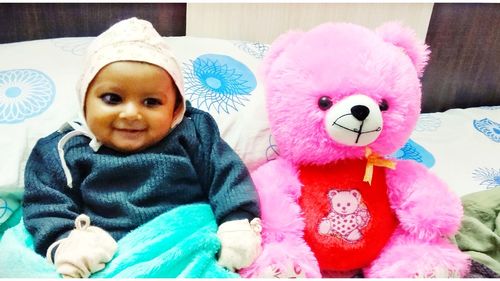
278,187
284,251
423,203
278,174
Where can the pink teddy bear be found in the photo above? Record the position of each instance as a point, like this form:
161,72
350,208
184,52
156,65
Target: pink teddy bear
340,99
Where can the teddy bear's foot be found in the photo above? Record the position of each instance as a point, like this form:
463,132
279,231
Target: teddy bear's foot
405,257
288,269
439,272
284,259
355,235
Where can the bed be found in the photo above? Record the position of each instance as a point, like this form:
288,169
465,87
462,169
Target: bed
457,135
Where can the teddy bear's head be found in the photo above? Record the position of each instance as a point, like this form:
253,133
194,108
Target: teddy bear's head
339,88
344,201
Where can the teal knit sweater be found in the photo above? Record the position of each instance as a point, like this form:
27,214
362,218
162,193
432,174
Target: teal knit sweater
120,192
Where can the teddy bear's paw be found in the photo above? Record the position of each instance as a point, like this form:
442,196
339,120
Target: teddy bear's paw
289,258
438,272
324,227
286,270
406,257
415,272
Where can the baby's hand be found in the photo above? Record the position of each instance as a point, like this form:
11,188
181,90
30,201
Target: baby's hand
86,250
240,243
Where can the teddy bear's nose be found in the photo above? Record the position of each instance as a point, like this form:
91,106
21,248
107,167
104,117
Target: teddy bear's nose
360,112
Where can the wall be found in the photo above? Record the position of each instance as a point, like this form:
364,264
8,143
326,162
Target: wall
263,22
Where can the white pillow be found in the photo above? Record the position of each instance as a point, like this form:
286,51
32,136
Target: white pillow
37,94
222,77
38,84
461,146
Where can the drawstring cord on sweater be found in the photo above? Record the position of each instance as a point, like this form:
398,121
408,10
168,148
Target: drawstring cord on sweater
78,130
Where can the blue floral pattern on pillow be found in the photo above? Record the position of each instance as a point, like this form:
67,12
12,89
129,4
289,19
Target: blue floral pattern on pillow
488,177
488,128
413,151
255,49
427,122
272,150
76,46
219,82
24,93
5,210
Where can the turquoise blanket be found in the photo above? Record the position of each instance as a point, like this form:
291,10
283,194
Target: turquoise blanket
179,243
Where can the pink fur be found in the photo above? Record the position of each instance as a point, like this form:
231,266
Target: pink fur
407,256
422,214
360,61
394,33
339,60
282,223
284,218
283,256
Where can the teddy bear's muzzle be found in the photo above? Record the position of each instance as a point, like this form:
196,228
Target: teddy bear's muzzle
354,121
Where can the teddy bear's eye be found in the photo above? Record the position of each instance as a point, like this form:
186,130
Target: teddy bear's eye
324,103
383,105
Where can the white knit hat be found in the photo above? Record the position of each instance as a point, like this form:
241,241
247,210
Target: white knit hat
132,39
128,40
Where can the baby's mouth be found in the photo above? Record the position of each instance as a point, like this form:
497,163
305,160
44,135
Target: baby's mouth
129,133
130,130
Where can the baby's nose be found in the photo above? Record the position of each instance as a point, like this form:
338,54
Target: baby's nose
130,111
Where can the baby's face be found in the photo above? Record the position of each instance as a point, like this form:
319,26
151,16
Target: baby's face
129,106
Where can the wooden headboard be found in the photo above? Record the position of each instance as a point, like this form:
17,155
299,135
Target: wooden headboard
464,69
464,38
31,21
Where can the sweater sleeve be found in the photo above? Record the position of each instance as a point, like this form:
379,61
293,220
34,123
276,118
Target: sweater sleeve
231,191
49,206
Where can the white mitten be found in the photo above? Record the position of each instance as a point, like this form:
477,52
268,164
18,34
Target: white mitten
86,250
240,243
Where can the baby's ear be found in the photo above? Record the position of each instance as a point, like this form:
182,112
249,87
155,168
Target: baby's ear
277,48
405,38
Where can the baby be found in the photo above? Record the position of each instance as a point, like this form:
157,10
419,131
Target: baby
138,150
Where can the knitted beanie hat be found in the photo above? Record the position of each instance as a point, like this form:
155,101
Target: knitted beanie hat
130,40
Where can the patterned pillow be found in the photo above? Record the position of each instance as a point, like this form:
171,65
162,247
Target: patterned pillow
38,94
461,146
222,77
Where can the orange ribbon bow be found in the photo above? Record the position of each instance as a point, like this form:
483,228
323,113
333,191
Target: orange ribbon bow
373,159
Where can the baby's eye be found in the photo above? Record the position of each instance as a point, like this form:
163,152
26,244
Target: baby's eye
111,98
151,102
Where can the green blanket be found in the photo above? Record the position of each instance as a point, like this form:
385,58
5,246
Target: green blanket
179,243
479,235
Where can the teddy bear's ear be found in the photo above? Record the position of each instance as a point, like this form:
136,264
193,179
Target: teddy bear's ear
405,38
278,46
332,193
356,194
